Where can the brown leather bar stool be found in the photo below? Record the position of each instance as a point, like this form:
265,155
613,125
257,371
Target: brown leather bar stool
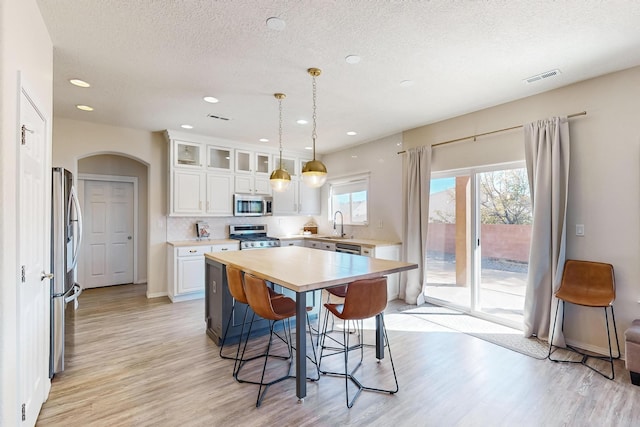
236,289
274,310
337,291
590,284
364,299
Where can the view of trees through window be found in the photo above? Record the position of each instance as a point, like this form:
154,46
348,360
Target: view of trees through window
501,238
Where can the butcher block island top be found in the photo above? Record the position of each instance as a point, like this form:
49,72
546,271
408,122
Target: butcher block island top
305,269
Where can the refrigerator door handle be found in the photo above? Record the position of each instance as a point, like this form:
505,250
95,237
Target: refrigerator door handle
73,201
44,275
72,295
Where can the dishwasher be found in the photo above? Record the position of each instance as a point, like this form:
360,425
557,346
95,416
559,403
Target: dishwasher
348,248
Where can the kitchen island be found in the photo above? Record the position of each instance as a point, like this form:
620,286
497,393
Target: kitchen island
305,270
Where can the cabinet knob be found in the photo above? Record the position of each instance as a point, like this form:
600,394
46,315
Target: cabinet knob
193,251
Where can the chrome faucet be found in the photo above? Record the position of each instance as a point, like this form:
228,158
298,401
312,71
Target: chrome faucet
341,222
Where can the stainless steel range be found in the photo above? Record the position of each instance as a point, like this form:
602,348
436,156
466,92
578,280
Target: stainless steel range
252,236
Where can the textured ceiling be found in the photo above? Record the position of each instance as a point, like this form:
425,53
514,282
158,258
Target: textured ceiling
150,62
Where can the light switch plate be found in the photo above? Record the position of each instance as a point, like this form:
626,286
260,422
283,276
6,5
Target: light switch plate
579,229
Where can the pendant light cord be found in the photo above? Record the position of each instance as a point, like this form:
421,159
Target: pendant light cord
280,129
313,132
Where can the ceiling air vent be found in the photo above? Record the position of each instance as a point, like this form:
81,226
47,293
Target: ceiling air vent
213,116
542,76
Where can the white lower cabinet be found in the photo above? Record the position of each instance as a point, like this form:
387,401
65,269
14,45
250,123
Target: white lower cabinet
186,269
315,244
391,252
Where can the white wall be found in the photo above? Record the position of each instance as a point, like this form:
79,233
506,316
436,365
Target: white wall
604,180
380,158
74,140
25,47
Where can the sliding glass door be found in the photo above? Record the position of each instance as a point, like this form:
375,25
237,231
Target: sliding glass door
478,241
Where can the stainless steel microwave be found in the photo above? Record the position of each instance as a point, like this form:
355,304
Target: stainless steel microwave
249,205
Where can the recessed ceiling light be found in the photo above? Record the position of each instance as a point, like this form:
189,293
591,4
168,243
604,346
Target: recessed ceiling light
352,59
264,140
79,83
351,133
84,107
354,156
211,99
308,148
406,83
186,126
302,122
276,23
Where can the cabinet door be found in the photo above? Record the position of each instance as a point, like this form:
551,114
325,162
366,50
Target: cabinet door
219,159
244,184
262,164
188,192
261,186
187,154
286,203
219,194
288,164
309,200
190,274
244,162
312,244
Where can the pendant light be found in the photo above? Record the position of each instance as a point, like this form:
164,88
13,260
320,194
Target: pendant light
314,173
280,178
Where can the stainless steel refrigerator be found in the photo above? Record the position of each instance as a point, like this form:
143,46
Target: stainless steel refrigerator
66,235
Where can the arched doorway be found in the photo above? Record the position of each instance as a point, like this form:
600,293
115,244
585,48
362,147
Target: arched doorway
119,183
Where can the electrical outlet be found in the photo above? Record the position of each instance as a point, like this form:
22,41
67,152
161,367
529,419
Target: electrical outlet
579,229
380,224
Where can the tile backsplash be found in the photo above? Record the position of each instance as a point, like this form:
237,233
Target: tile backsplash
184,228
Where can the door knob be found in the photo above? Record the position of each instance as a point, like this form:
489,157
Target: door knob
128,237
44,275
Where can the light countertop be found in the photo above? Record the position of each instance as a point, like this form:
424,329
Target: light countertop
305,269
324,238
182,243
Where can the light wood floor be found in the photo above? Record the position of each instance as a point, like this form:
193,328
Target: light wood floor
139,362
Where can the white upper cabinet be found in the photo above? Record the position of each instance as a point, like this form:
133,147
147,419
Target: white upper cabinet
204,173
219,159
219,194
252,163
252,172
188,154
298,199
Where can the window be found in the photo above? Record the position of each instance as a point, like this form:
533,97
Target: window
350,196
478,240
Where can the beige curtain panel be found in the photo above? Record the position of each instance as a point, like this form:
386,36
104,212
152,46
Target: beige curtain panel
547,156
417,181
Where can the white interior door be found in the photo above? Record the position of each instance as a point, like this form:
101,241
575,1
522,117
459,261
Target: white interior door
33,242
107,257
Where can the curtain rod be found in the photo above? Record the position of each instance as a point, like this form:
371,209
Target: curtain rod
582,113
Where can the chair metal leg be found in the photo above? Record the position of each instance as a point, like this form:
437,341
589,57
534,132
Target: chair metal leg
261,392
349,373
226,331
585,356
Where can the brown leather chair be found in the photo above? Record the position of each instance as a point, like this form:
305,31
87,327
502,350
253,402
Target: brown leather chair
236,289
589,284
364,299
273,309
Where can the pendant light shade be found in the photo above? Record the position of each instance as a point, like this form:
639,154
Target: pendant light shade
314,173
280,178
